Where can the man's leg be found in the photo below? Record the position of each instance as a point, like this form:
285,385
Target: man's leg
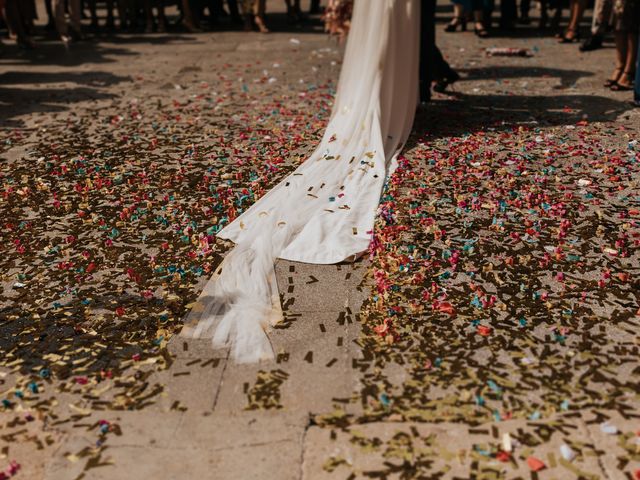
61,21
636,90
75,15
427,47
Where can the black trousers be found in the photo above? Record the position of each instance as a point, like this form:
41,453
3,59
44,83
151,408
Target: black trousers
433,66
427,47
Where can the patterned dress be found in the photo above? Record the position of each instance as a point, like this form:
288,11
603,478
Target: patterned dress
626,16
337,17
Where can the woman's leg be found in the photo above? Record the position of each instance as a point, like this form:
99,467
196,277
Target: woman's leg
636,91
478,23
626,80
621,59
577,11
458,18
260,8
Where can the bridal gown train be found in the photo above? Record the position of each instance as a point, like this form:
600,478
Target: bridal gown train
325,210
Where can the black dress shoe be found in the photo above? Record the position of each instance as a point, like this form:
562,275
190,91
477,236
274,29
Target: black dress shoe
594,42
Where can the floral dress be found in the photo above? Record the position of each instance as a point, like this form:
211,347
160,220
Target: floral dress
337,17
626,16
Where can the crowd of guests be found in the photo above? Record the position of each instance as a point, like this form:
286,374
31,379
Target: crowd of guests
65,16
621,17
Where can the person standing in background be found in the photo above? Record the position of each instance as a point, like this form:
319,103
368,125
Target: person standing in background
477,8
433,66
254,12
75,33
626,24
576,11
599,24
16,19
636,90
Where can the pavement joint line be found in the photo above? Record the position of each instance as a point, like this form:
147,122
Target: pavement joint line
221,381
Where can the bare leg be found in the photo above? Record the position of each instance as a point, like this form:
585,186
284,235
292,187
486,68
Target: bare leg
260,8
458,19
626,79
576,11
621,49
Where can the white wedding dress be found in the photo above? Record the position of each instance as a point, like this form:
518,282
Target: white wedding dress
325,210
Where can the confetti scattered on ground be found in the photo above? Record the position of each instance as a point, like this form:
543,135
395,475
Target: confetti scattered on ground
505,273
500,337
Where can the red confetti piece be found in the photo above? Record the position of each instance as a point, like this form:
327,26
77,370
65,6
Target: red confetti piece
484,330
535,464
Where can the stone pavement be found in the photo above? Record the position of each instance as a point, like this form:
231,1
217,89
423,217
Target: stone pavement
187,411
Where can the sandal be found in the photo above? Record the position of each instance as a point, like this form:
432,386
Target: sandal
623,87
480,31
453,25
617,73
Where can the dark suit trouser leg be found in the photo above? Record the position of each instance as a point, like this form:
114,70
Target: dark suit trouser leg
427,47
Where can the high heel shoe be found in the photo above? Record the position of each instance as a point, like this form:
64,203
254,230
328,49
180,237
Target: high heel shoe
480,31
453,25
570,36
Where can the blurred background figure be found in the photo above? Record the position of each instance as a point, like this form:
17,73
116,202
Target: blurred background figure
479,10
636,91
109,5
599,24
337,17
572,32
67,35
435,71
254,15
19,19
626,23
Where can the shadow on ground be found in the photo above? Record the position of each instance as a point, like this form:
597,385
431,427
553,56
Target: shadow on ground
24,93
504,112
